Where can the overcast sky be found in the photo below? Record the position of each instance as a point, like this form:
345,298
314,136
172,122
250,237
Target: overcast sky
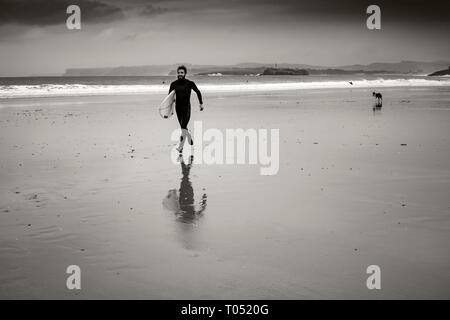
34,38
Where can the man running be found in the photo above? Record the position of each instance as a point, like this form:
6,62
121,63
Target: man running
183,87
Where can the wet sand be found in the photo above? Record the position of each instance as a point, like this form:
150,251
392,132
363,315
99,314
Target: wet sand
84,181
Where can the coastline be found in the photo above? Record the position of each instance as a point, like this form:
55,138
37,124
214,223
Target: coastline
214,85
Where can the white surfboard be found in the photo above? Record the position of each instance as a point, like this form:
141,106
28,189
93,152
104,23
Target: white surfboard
167,105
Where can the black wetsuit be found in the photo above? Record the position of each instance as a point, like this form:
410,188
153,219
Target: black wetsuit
183,89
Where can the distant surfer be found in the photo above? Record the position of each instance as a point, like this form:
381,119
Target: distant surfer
183,88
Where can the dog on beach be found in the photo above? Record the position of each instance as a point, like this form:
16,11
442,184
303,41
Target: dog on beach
378,96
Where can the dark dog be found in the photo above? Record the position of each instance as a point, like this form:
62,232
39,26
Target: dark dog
378,96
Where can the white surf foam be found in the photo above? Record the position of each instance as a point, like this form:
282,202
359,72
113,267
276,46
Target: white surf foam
53,90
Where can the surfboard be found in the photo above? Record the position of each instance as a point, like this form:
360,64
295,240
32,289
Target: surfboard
167,105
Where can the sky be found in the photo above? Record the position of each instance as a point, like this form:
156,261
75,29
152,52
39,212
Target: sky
34,39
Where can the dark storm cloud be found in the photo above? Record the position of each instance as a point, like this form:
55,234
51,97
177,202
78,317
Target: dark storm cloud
409,11
415,13
49,12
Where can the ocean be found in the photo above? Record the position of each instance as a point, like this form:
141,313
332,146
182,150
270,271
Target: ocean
25,87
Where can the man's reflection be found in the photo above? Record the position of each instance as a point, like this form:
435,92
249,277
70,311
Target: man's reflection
182,203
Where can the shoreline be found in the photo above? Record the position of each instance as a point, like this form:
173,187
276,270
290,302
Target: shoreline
78,90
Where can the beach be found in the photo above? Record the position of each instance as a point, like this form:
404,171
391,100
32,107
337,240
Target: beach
84,181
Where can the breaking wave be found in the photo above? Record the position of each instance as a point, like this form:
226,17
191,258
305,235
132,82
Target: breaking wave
55,90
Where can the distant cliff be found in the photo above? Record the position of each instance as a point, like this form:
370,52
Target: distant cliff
284,71
445,72
279,71
235,71
403,67
340,71
248,71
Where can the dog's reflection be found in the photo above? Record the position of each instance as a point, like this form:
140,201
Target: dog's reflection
182,203
377,108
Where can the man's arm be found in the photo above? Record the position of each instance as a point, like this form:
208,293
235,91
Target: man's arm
199,94
171,87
